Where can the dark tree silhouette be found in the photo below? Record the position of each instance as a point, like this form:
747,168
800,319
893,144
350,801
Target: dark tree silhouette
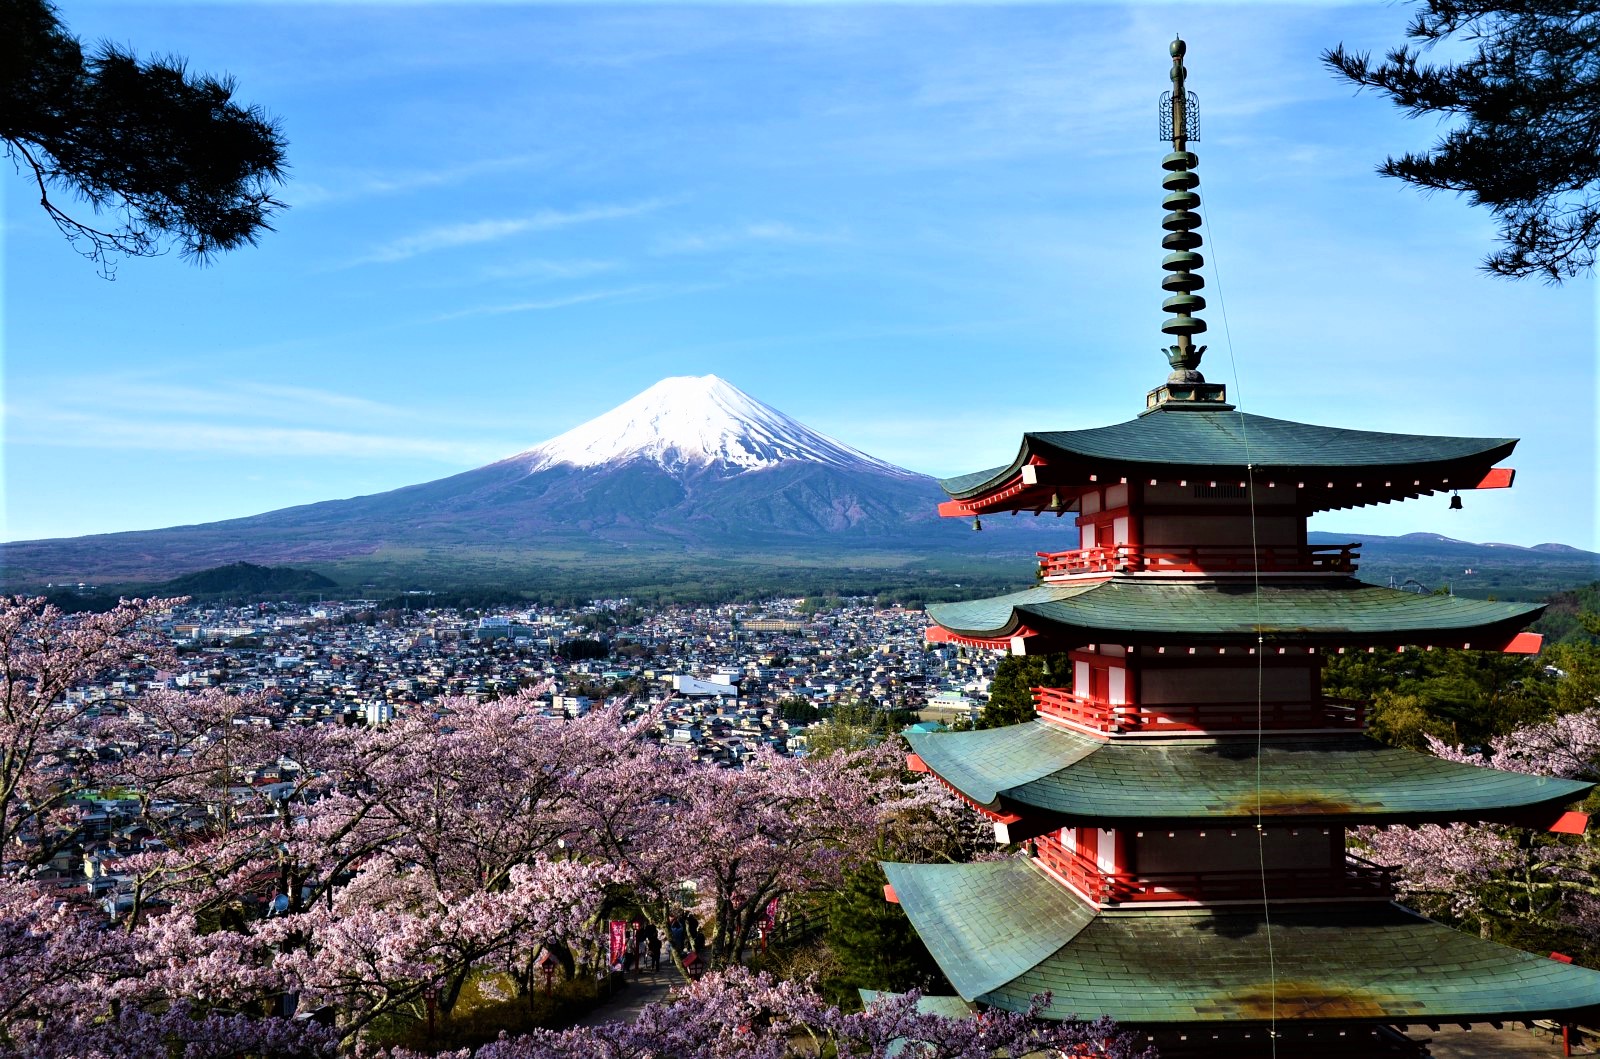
1522,114
157,155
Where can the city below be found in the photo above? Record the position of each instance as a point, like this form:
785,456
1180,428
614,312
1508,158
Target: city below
723,681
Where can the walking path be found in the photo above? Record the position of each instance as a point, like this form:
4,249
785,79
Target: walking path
644,987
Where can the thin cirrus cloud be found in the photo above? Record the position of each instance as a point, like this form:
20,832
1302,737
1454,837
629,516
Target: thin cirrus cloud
340,186
245,398
195,437
472,233
539,269
756,232
642,290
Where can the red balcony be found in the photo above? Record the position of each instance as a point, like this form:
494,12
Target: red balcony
1357,880
1201,559
1189,717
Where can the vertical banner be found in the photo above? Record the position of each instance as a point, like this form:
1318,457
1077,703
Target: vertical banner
619,940
772,915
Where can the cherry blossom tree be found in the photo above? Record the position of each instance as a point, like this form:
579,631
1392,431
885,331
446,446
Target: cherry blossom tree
306,883
1498,875
729,841
44,655
735,1014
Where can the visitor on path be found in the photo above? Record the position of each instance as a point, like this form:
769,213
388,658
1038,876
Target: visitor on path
652,940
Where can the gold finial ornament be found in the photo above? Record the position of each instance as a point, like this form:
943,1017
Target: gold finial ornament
1180,124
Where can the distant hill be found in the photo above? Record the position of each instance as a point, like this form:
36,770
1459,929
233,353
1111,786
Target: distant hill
1507,571
245,580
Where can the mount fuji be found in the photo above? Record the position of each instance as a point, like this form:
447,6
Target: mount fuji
693,473
687,423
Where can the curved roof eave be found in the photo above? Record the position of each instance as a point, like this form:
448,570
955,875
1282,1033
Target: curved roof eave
1038,767
1137,610
1187,439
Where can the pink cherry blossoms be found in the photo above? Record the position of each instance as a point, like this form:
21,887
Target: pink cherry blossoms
739,1015
376,872
1493,874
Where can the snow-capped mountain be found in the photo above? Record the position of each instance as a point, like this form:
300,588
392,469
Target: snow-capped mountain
688,422
691,473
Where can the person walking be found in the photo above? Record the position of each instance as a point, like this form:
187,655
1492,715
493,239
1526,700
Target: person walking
652,940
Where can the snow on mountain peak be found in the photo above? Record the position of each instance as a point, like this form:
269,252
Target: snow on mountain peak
690,421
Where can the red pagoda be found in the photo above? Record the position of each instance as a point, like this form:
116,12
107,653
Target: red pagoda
1184,805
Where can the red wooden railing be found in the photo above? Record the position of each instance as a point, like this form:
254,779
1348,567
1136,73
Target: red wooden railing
1357,879
1328,712
1201,559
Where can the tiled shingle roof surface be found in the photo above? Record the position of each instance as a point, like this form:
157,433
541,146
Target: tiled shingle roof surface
1351,778
1344,611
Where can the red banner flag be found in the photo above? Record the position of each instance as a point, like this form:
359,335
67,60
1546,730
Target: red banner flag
619,941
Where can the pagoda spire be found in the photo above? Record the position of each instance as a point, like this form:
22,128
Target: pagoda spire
1180,123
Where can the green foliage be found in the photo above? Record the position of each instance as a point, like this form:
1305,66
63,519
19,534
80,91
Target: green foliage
1579,661
873,943
1010,698
850,726
813,605
1462,697
1520,138
794,708
578,650
1570,616
169,153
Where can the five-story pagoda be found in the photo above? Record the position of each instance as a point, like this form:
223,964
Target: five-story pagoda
1184,804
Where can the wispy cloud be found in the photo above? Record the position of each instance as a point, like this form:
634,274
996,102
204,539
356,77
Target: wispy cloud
471,233
755,232
76,429
642,290
244,398
546,269
307,190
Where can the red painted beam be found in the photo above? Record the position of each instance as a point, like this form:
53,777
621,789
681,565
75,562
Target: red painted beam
889,894
1497,478
914,763
1570,824
939,634
1525,643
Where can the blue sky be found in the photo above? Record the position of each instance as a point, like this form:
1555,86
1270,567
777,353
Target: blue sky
920,229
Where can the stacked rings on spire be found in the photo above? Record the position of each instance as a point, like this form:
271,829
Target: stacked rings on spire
1182,239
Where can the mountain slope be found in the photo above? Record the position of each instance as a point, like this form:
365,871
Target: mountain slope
690,467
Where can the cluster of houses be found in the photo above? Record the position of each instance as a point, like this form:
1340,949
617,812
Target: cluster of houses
724,681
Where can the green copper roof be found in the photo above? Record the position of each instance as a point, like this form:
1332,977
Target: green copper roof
1370,962
1134,611
1040,766
989,922
1169,438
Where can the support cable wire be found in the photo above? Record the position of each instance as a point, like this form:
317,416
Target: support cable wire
1261,648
